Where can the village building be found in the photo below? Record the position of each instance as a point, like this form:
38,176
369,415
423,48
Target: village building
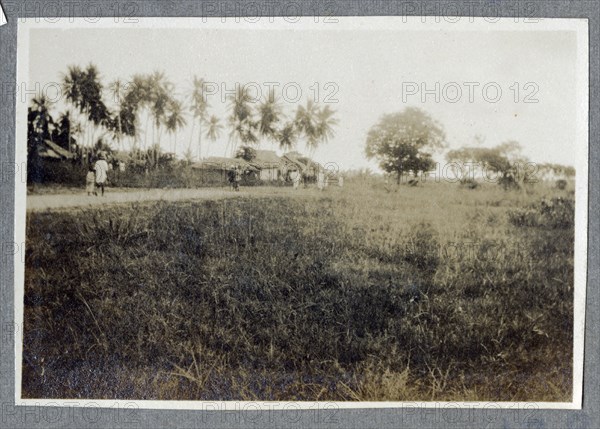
214,169
294,161
50,150
269,165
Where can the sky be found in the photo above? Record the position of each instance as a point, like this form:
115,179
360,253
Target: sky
514,85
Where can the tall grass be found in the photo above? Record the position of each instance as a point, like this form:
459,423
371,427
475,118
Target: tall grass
352,294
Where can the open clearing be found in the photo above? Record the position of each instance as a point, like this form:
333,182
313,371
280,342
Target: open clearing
70,198
361,293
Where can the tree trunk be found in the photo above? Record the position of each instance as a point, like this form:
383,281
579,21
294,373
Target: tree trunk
146,133
93,134
120,131
200,140
311,153
192,136
153,135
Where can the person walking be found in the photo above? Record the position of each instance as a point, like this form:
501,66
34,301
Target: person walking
296,177
231,177
101,169
238,178
321,179
90,181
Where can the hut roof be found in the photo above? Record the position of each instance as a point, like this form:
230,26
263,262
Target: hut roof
51,150
222,163
266,159
296,158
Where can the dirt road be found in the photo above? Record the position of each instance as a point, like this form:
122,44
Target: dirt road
65,201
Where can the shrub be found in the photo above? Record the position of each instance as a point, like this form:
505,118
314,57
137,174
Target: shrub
56,171
561,184
556,213
422,249
136,175
508,182
469,183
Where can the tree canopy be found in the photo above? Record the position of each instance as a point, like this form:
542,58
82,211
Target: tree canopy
559,170
141,109
405,141
505,161
246,153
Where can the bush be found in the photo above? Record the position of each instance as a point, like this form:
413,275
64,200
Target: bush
422,249
136,175
556,213
508,182
561,184
56,172
469,183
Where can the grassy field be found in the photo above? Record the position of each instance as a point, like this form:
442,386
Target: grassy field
363,293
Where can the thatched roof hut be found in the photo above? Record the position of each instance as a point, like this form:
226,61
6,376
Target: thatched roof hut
51,150
222,163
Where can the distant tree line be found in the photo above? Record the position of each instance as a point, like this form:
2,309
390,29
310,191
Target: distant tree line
404,142
147,108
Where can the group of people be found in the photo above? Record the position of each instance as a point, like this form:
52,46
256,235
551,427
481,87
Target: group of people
322,179
97,175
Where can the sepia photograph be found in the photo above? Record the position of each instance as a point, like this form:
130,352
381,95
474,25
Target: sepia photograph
357,210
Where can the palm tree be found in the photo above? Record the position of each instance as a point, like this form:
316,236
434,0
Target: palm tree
72,83
175,119
325,124
287,136
148,96
199,108
117,91
306,124
65,125
316,124
41,116
38,121
159,99
213,132
269,114
135,100
240,120
91,102
188,157
83,90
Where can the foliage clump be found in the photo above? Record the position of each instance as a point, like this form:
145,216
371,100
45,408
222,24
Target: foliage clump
555,213
404,142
